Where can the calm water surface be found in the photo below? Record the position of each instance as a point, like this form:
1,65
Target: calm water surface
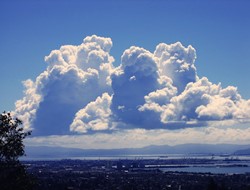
216,170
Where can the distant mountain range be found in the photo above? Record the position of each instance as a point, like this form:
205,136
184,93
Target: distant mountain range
243,152
45,152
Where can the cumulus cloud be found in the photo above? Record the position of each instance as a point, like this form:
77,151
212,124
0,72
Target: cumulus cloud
82,92
95,116
132,80
75,76
177,62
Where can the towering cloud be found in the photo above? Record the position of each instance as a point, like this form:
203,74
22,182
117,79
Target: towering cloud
177,62
82,92
75,76
133,79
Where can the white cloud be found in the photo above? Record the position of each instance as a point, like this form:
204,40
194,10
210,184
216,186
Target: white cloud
95,116
177,62
75,76
26,107
133,79
82,92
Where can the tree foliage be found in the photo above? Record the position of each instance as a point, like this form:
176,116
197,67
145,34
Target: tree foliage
11,138
13,174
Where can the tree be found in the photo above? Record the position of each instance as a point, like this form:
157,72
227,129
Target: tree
11,138
13,174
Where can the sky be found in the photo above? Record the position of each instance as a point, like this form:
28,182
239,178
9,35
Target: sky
132,73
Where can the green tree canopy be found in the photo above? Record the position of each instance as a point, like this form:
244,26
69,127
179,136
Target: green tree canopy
13,174
11,138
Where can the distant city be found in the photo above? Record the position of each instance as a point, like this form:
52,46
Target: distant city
218,167
161,173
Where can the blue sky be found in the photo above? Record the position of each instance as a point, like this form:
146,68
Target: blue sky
142,102
218,30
